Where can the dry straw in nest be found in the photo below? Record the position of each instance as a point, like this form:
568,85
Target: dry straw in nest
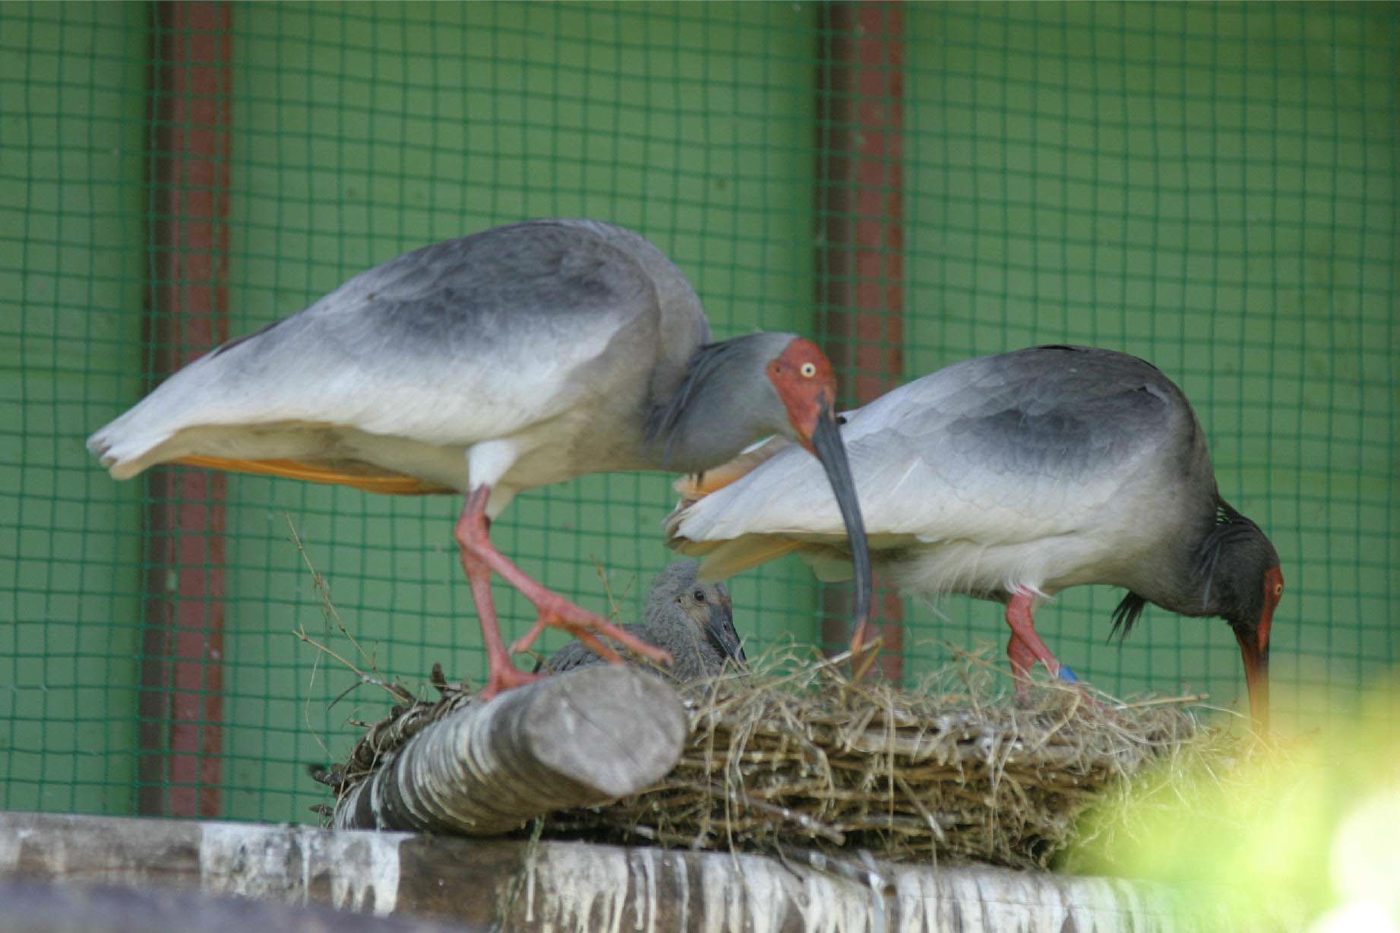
791,752
795,752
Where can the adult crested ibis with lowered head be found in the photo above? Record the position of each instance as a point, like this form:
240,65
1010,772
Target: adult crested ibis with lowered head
517,357
1010,478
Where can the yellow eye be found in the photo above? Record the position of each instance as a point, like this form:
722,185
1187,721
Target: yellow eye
808,370
1278,590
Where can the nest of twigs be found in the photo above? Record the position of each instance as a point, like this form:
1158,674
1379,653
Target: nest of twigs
796,753
791,752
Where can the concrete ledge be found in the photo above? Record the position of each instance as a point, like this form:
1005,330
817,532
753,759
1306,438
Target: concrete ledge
570,885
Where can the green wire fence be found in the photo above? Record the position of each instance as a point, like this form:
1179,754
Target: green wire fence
1212,187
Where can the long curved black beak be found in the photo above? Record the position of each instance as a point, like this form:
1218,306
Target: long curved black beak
827,445
723,634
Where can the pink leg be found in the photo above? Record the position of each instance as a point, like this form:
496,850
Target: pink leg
1025,646
1022,660
480,559
502,675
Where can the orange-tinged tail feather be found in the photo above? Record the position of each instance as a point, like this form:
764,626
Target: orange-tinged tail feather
390,484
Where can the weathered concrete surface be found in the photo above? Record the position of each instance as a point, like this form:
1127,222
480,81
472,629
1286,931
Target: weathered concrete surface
571,886
66,907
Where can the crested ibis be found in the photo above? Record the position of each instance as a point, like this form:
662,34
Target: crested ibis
1012,477
691,620
516,357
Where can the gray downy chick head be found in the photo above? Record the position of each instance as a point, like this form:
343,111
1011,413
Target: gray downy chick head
692,620
697,612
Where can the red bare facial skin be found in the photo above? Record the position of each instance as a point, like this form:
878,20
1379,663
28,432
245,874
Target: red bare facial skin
1273,592
805,382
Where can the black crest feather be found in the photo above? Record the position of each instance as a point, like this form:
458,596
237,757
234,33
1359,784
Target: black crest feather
1230,528
1126,616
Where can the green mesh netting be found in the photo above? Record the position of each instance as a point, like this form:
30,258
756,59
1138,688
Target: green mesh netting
1212,187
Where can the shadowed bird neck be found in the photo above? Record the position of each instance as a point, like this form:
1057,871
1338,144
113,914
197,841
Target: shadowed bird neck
1223,577
724,403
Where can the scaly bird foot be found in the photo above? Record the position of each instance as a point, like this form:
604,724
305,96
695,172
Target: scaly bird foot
503,677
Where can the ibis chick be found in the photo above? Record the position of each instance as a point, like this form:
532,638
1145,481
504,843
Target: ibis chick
1011,478
690,620
488,365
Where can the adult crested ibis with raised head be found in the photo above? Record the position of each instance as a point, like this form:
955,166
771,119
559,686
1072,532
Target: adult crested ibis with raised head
1012,477
517,357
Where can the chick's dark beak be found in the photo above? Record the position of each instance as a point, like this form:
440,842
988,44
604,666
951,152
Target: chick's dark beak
722,632
829,449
